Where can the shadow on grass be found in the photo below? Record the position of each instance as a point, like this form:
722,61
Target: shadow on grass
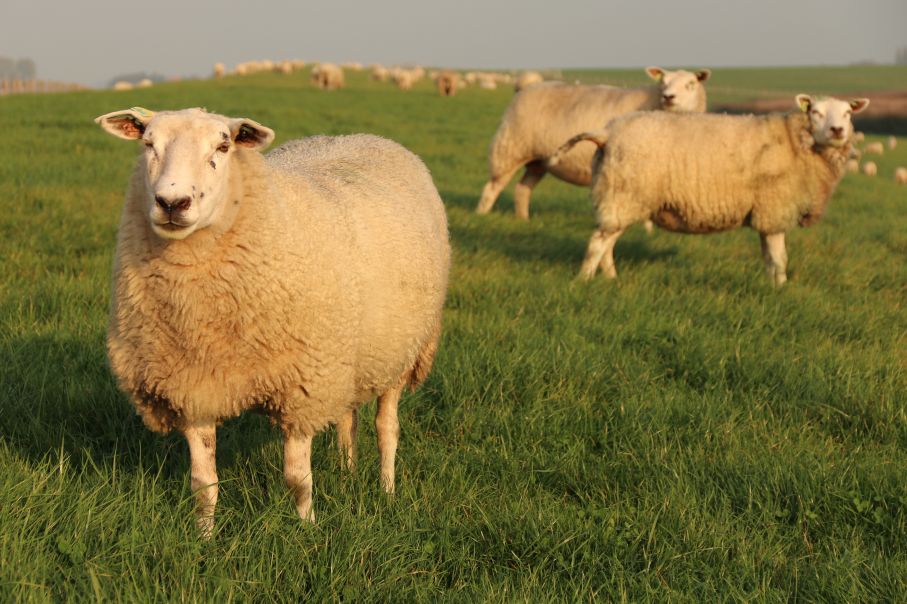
60,398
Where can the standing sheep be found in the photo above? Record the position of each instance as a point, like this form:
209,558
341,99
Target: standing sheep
876,147
446,81
303,283
527,78
328,76
870,168
540,118
900,176
707,173
220,70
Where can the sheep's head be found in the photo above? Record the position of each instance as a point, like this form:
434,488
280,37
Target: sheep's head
187,160
680,90
829,118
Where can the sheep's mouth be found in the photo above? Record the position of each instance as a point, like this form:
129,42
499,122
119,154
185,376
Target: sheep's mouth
171,226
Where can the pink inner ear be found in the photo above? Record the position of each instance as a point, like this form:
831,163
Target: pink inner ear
127,126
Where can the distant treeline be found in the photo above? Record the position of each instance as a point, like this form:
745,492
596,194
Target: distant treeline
17,69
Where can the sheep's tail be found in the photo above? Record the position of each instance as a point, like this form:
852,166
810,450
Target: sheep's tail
599,137
426,358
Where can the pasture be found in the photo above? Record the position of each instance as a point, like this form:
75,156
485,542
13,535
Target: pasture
684,434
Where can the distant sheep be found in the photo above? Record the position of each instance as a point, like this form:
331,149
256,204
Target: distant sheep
527,78
870,168
900,176
405,78
853,166
144,83
446,82
892,142
123,85
876,147
303,283
380,73
328,76
694,173
220,70
540,118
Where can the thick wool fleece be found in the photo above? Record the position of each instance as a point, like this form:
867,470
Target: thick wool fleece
323,290
698,173
541,117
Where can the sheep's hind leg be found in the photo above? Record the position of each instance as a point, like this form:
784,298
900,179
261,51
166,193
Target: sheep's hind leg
347,429
297,471
775,256
202,439
535,171
600,252
388,428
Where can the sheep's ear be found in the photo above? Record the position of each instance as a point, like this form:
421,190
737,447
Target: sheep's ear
128,124
858,105
251,134
804,102
703,74
656,73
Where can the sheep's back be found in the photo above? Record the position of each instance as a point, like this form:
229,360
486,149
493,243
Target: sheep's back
396,230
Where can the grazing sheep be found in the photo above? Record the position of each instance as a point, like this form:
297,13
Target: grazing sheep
380,73
859,137
694,173
144,83
900,176
219,70
540,118
303,283
328,76
487,81
527,78
870,168
892,143
853,166
446,82
876,147
404,78
123,85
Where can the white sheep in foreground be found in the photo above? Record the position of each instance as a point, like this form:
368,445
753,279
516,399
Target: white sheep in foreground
540,118
694,173
328,76
900,176
303,283
876,147
870,168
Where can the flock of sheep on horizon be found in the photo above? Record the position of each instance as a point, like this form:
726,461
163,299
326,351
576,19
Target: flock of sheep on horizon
330,76
311,280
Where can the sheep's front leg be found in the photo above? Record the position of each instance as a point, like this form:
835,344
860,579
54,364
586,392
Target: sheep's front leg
202,439
388,428
297,471
347,429
600,252
775,256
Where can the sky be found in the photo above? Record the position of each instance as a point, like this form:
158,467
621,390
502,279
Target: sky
91,41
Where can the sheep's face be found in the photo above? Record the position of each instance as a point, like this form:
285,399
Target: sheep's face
681,90
187,160
829,118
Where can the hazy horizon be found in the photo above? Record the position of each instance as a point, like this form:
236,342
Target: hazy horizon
94,41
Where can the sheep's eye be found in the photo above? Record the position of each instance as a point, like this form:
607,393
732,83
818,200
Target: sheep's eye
148,144
224,148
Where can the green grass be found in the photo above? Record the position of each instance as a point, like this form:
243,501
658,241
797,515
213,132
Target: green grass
685,434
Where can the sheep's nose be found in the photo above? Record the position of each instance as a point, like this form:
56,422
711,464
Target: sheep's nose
837,130
668,97
169,205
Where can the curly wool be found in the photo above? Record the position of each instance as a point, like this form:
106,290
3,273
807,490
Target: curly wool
698,173
325,291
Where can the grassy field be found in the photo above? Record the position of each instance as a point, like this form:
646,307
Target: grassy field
684,434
